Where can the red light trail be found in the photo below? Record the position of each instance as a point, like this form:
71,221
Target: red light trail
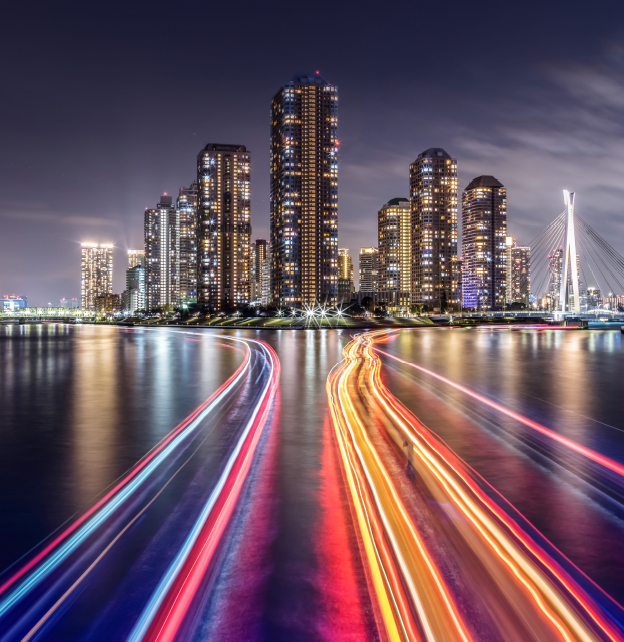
415,599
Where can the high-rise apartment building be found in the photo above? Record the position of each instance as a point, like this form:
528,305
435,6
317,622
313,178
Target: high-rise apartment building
345,265
369,269
136,257
395,246
433,199
555,269
265,278
162,269
96,273
518,277
186,206
304,192
346,289
484,234
223,226
133,297
257,265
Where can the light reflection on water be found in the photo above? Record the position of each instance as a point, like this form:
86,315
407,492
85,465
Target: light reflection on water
569,381
80,405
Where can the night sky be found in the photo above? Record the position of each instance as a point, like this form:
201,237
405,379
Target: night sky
106,105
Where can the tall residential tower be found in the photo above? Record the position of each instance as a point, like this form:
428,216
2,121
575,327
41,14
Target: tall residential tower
304,192
162,266
186,206
433,196
395,246
369,257
223,226
484,234
96,273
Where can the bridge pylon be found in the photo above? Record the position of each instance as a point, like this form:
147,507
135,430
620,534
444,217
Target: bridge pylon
569,258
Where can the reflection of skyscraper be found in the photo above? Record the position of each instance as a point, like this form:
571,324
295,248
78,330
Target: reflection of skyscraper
484,231
433,196
161,254
96,273
186,206
395,246
224,228
304,192
368,269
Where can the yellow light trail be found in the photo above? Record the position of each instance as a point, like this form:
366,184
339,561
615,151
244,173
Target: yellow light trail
526,583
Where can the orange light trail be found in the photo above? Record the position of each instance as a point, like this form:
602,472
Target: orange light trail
527,581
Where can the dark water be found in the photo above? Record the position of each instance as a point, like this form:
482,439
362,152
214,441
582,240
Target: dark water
80,405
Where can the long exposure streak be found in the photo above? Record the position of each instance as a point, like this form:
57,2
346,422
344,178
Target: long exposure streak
582,450
167,607
530,596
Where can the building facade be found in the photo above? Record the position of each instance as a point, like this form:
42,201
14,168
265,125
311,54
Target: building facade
555,269
186,206
162,265
107,303
395,246
14,302
96,273
368,270
484,235
517,265
136,257
133,297
345,265
346,287
304,192
223,226
257,265
433,200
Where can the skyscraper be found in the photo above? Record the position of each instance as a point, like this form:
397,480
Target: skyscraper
484,234
555,268
257,265
136,257
345,276
223,225
304,192
96,273
518,278
161,254
186,206
369,269
395,246
133,297
433,198
345,265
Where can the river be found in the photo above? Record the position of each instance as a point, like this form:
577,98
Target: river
81,405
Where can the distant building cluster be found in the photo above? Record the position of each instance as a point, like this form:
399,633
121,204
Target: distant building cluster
12,302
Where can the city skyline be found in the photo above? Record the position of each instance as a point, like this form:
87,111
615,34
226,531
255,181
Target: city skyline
555,104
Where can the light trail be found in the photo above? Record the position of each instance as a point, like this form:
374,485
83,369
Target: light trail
594,456
172,598
526,580
219,507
